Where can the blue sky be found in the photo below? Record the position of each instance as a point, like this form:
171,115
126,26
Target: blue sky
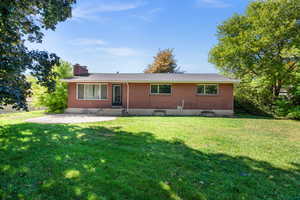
124,35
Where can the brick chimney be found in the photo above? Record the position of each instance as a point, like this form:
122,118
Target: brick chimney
79,70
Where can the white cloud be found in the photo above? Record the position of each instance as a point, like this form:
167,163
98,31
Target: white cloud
213,3
95,45
89,11
149,15
119,51
87,41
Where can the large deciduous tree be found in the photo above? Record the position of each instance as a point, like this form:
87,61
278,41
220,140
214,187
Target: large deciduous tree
20,21
164,62
262,46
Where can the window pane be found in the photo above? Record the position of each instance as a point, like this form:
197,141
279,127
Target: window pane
91,92
165,89
103,91
154,89
96,92
200,89
88,91
211,89
80,91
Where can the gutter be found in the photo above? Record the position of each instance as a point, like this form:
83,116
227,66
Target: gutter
145,81
127,97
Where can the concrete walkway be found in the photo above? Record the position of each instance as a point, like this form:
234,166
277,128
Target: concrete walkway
69,119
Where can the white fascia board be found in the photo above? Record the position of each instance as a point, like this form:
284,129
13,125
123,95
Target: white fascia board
146,81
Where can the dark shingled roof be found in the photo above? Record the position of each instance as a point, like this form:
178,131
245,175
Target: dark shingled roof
152,78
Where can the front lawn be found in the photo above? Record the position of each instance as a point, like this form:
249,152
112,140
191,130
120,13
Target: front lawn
150,158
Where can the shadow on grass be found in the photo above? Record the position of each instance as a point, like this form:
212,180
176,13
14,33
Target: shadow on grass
71,162
238,116
245,116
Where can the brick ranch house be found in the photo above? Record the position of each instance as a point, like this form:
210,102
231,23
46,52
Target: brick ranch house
149,94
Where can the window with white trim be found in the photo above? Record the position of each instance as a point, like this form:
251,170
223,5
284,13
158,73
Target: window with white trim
91,91
160,89
207,89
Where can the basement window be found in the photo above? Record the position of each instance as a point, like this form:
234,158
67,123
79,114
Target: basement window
91,91
160,89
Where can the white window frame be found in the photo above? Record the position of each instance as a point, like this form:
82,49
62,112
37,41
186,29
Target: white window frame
100,84
158,89
205,89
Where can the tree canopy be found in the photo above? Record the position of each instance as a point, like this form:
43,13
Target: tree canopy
164,62
56,101
261,46
22,21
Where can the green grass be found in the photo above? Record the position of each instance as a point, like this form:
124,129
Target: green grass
151,158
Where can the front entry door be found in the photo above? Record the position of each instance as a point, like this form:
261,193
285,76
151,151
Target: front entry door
116,95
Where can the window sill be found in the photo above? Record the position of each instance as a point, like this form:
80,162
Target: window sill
92,99
160,94
208,95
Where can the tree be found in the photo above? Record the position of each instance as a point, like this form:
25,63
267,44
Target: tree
55,101
22,21
164,62
262,46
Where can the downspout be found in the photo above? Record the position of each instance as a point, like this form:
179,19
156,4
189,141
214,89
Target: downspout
127,98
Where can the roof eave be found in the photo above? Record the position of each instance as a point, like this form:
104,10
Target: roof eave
146,81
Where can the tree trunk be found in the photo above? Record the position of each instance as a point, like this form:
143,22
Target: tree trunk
277,88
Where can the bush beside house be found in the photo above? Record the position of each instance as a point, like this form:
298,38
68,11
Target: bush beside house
55,102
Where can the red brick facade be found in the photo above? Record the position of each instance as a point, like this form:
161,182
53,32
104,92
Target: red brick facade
140,97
